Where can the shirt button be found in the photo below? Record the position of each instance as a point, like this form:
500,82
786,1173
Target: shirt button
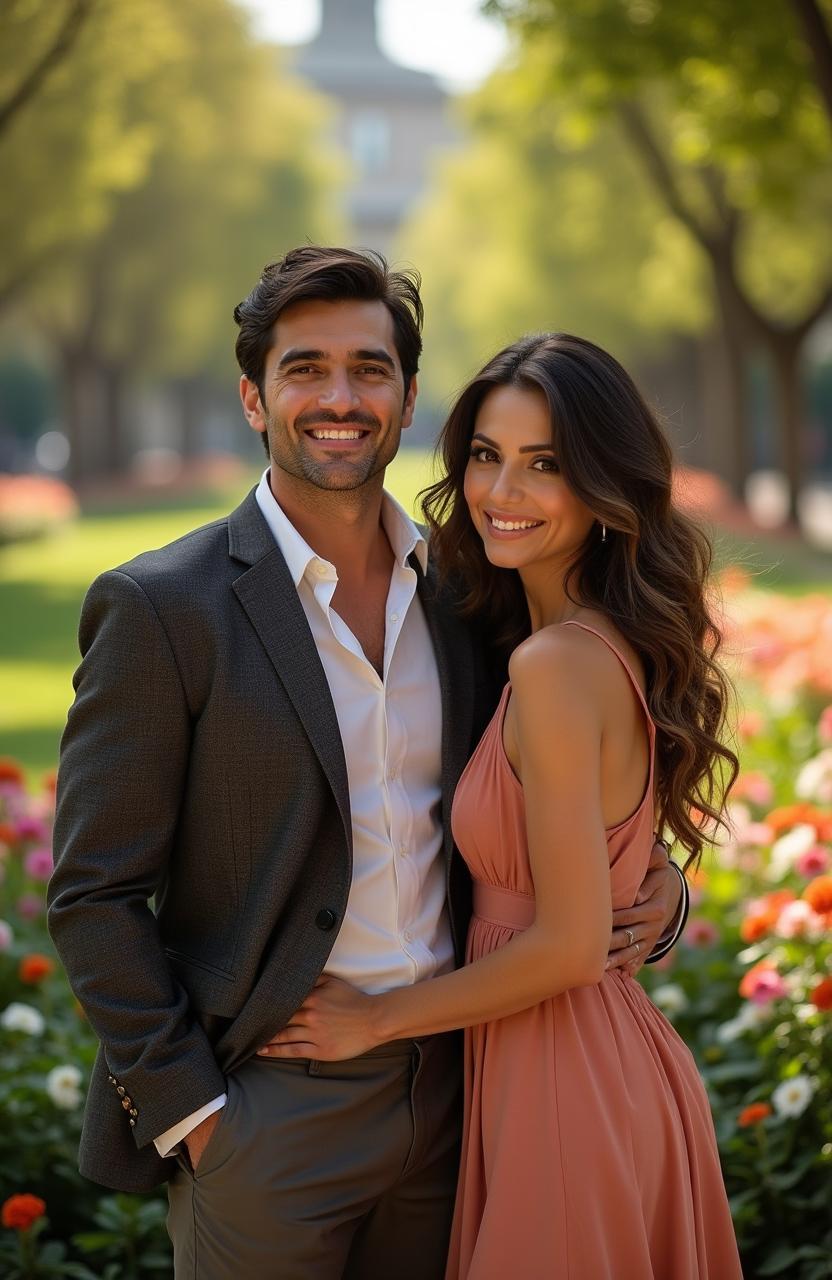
394,617
403,848
393,774
320,569
408,936
325,919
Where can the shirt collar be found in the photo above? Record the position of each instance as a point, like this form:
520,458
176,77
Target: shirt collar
402,533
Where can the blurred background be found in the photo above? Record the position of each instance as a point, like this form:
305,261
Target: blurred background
655,175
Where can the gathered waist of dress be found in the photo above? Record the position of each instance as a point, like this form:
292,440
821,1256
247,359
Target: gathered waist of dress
503,906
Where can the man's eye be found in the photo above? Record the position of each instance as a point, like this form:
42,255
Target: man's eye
375,369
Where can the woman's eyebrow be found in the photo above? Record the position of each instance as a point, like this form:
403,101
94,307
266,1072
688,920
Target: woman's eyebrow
526,448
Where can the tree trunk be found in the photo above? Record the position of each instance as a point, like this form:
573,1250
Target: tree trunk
79,392
784,353
113,446
189,417
738,454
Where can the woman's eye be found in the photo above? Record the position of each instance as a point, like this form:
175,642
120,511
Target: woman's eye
546,465
480,454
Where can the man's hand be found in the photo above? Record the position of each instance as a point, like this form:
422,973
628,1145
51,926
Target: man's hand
637,929
197,1140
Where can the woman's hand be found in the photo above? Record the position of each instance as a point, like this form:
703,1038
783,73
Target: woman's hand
334,1022
637,929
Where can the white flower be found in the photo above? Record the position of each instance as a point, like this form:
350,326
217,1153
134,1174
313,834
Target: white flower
786,850
814,782
792,1097
63,1086
22,1017
750,1015
670,998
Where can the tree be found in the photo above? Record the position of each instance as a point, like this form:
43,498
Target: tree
716,102
58,45
229,171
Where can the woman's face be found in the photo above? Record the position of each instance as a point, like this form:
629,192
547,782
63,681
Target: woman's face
519,502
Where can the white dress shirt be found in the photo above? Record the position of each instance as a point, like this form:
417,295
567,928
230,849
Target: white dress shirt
396,929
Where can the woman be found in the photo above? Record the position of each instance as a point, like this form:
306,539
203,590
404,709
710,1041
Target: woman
588,1147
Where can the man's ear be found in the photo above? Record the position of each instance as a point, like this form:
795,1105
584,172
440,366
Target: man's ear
252,404
409,403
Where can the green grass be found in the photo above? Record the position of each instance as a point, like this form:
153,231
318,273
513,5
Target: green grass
42,585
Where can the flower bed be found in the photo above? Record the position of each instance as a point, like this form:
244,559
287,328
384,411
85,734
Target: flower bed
749,988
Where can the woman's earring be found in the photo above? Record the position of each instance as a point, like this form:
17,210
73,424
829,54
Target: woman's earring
603,533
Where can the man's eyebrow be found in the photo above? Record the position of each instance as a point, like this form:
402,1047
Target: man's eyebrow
377,354
298,353
526,448
295,354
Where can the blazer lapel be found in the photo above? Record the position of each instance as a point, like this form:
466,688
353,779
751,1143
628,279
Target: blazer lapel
454,659
269,596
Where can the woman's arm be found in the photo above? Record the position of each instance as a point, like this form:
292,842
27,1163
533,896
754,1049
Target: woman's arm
557,723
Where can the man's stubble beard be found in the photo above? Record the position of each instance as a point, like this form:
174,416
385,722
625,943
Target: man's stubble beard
301,466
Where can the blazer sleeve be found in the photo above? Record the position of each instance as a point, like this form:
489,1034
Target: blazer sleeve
123,764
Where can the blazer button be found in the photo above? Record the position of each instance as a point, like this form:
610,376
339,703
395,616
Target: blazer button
325,919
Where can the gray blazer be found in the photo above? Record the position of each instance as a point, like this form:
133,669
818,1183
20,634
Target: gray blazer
202,768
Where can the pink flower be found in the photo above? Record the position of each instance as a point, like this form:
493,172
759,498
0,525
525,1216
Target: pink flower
758,834
29,906
754,787
751,724
797,920
38,863
825,725
6,936
813,862
32,829
700,932
762,984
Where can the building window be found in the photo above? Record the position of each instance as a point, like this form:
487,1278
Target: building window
370,141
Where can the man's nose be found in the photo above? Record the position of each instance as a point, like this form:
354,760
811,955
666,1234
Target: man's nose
339,395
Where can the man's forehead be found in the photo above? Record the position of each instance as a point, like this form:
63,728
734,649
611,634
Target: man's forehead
335,327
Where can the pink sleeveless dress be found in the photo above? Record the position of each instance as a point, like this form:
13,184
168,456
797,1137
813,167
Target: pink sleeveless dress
588,1148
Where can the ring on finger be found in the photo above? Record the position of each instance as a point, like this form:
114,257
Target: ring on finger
638,948
631,937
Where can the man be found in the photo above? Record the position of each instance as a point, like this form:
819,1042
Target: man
271,716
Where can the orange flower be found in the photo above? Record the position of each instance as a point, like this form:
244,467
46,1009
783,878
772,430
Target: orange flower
20,1212
8,833
821,996
753,1114
818,893
792,815
10,771
762,914
50,781
34,968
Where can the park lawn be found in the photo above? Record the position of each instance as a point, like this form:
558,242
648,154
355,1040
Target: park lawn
42,585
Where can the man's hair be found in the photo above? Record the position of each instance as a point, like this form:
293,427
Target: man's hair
324,274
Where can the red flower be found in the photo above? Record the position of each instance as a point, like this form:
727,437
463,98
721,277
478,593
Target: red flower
20,1212
10,771
8,833
821,995
818,893
34,968
753,1114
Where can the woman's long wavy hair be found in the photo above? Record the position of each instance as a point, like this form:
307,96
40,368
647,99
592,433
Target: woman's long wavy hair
649,577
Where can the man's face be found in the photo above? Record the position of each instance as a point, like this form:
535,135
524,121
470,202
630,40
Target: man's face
335,401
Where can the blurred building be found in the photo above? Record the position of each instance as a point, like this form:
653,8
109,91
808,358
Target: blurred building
390,120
